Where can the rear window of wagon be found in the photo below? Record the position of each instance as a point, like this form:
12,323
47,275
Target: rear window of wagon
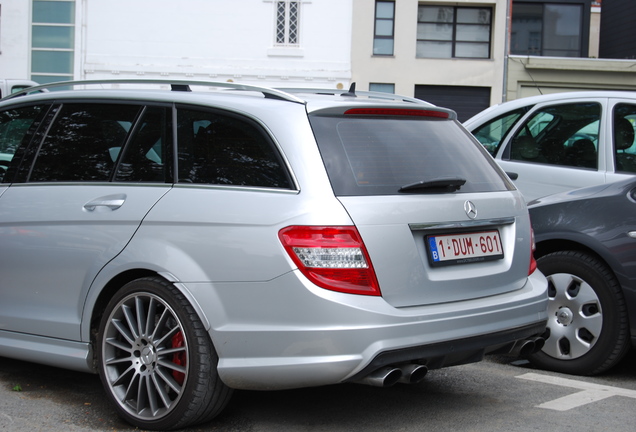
378,155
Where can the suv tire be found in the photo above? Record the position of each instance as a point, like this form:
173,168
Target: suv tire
587,320
156,360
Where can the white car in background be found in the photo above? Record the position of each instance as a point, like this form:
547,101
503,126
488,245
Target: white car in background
10,86
558,142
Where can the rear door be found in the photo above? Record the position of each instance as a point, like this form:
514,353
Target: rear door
75,208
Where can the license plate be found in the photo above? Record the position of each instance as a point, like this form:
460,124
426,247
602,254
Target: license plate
464,248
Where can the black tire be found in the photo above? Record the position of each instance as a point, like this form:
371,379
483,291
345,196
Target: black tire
159,372
587,331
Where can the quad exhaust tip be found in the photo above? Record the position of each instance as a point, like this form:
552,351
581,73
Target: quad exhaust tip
390,375
529,346
413,373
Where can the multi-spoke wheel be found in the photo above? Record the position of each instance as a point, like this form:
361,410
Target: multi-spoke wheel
157,362
587,330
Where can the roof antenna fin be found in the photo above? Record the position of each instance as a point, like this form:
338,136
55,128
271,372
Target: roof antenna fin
351,92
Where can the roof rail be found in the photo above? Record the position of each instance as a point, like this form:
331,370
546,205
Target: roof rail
175,85
352,92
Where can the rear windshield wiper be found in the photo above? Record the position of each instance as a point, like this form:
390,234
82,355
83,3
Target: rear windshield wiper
440,184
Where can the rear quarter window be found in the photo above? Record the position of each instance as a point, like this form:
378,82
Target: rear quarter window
378,155
220,148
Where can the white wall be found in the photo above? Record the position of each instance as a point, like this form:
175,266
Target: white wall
15,19
192,39
214,39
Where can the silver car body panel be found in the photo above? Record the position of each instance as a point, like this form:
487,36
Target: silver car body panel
53,245
389,227
59,352
339,334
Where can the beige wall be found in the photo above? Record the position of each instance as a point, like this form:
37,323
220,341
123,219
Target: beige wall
529,76
405,70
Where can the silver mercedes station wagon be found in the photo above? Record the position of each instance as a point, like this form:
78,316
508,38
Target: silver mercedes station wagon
186,239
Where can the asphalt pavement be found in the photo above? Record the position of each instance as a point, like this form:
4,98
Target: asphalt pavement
498,394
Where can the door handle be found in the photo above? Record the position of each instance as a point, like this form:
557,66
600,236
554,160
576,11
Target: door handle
113,202
512,175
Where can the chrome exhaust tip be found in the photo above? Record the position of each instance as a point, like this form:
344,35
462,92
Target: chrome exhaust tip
413,373
383,377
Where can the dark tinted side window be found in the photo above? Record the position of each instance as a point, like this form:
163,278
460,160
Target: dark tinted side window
379,155
624,138
565,135
148,153
493,133
83,142
16,128
224,149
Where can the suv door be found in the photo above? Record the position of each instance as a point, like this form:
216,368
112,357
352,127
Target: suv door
75,206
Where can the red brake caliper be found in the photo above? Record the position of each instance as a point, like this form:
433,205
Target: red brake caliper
178,358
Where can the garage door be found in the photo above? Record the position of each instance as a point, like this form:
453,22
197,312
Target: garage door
466,101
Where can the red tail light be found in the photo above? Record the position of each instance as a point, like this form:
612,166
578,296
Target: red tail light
333,258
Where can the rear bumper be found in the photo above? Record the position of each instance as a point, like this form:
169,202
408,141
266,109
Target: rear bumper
288,333
453,353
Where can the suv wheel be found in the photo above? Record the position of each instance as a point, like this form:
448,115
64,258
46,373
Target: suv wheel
156,360
587,320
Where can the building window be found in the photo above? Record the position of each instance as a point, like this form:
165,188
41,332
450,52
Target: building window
287,23
384,28
382,87
547,29
52,40
453,32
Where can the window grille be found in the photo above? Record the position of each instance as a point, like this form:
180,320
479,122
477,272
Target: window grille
287,22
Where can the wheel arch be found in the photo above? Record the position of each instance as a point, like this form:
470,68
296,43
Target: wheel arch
548,245
98,306
104,296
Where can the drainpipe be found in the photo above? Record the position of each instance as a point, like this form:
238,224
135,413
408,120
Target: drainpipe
504,96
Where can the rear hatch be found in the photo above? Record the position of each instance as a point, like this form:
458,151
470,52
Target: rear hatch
440,221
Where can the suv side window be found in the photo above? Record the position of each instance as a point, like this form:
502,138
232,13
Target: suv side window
624,145
147,155
15,125
565,135
83,142
226,149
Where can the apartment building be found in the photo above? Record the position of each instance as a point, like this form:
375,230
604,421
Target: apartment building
451,54
470,54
